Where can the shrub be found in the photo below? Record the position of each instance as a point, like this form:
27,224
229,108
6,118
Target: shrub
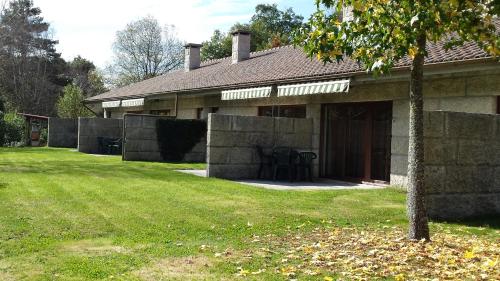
44,136
177,137
14,129
70,104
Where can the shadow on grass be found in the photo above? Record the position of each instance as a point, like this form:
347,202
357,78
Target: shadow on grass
3,185
490,221
101,169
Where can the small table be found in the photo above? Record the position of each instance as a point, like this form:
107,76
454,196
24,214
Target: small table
111,146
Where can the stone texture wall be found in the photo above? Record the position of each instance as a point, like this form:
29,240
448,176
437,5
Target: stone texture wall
232,140
462,156
400,111
91,128
62,132
141,142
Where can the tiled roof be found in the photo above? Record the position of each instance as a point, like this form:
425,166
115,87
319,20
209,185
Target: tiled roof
268,67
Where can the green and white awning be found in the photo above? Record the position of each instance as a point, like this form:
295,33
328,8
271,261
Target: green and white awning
131,103
337,86
249,93
123,103
110,104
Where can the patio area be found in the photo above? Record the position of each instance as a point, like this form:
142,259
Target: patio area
318,184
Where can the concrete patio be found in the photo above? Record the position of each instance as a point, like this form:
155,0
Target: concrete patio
318,184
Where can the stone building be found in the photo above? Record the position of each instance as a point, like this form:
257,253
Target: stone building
359,123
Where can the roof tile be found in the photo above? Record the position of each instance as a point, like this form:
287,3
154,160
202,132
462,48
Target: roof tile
269,67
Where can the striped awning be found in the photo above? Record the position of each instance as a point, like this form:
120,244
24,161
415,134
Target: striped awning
108,104
337,86
249,93
134,102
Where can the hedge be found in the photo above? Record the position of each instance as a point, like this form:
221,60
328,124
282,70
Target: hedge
176,137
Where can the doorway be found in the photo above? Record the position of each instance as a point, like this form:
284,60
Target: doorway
356,141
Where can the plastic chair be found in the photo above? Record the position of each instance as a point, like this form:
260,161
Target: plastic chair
265,161
306,164
284,158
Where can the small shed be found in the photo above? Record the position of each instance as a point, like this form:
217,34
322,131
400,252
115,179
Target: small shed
34,126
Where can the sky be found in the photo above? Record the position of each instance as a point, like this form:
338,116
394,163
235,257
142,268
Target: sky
88,27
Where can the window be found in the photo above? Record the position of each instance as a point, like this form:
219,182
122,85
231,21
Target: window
165,112
290,111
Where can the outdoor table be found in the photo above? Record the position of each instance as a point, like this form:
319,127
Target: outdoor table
109,145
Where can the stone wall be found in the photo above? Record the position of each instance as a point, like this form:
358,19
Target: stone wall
470,104
89,129
462,156
232,140
62,132
141,142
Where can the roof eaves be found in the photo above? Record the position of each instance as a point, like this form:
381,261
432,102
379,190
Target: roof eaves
296,79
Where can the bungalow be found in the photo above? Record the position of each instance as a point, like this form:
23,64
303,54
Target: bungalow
359,123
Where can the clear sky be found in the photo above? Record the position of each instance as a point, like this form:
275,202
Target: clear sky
88,27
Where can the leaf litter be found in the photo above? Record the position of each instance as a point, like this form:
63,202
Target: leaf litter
344,253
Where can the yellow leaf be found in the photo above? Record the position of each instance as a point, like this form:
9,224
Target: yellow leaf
490,263
399,277
412,51
469,254
288,271
243,272
334,53
358,5
328,278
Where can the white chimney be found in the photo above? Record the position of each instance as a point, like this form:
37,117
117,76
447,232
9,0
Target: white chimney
192,58
241,46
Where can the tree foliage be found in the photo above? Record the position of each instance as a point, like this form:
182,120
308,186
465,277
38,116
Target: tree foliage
70,104
382,32
84,74
270,27
30,67
144,50
219,46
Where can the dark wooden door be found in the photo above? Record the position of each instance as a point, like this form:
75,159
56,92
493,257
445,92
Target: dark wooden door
357,141
381,142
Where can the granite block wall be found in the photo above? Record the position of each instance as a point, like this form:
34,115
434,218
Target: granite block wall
62,132
462,157
89,129
231,152
141,142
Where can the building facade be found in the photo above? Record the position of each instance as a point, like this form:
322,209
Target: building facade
360,123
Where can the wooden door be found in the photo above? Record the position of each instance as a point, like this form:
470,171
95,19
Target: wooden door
357,141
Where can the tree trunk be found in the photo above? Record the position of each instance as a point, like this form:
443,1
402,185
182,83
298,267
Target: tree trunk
417,213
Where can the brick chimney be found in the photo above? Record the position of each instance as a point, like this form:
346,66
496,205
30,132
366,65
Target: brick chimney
241,46
192,58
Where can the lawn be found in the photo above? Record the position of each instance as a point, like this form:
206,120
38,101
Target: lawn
71,216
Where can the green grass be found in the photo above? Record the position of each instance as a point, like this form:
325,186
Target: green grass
71,216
